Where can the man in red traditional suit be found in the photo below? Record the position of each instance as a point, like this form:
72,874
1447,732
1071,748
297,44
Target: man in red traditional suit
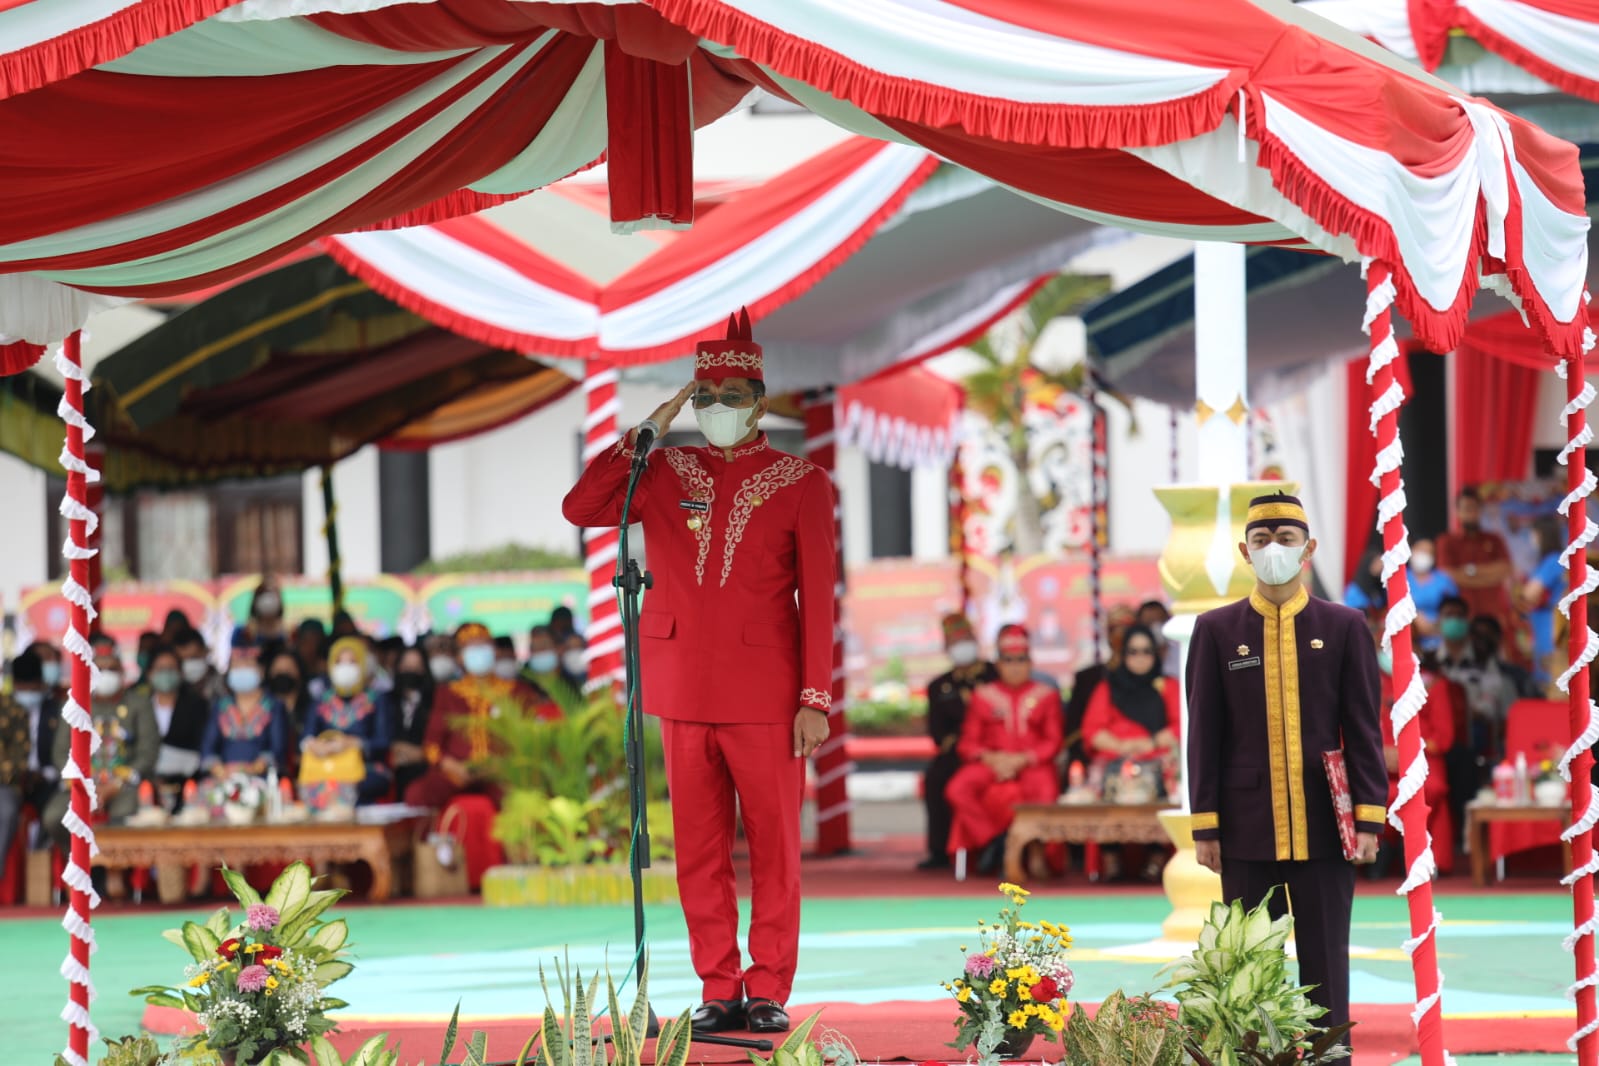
458,744
737,657
1274,682
1009,740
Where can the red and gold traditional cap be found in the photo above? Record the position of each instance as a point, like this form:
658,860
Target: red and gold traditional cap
1277,509
472,633
956,625
736,356
1014,640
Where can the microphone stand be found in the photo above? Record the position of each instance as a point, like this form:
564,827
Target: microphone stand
630,584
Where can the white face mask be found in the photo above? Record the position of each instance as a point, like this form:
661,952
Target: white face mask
267,604
963,652
108,684
574,662
1277,564
478,659
28,699
442,667
505,668
1422,562
346,677
50,674
194,670
543,662
725,426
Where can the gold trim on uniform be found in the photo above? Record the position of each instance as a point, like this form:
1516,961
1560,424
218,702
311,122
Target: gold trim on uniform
1286,751
1205,820
756,490
816,699
1370,812
1277,512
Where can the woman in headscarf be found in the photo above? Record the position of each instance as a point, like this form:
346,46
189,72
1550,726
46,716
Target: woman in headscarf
1133,717
1135,712
349,717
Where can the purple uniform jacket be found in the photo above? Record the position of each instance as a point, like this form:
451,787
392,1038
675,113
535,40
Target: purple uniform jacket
1270,690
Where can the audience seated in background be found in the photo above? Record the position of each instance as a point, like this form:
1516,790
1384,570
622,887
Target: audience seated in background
248,731
28,721
1008,746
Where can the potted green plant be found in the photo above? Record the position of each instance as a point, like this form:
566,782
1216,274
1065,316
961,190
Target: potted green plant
1140,1031
257,986
1236,997
564,818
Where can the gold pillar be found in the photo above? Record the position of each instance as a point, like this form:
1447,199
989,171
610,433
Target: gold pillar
1201,569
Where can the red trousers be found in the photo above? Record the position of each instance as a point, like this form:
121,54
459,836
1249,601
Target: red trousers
712,771
982,806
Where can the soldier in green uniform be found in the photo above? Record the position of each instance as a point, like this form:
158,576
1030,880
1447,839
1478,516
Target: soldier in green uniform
947,697
1275,681
130,744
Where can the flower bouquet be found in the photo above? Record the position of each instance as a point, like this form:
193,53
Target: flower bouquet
1014,986
238,796
257,987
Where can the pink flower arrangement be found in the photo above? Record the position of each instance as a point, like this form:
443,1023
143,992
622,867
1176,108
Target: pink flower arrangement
979,965
260,917
252,979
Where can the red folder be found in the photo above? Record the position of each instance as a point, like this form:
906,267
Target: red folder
1343,807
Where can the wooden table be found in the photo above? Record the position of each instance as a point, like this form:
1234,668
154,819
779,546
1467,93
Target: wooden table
239,845
1083,823
1479,816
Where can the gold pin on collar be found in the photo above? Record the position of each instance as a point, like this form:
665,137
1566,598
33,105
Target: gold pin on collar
1316,643
1243,649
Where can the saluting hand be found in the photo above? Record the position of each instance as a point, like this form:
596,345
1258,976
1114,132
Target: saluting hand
665,414
810,729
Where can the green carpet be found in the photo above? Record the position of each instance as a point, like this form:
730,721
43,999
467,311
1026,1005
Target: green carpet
1501,954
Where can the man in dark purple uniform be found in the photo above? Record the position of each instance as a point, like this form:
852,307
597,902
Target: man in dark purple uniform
1274,681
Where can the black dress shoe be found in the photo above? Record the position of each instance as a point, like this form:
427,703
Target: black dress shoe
766,1016
934,862
717,1016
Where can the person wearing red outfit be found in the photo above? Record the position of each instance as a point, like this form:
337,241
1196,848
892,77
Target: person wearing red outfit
736,649
1134,719
1008,745
458,743
1135,713
1438,736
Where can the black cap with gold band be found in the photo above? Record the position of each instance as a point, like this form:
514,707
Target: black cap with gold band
1277,509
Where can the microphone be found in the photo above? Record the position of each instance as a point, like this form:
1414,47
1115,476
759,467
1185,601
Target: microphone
643,438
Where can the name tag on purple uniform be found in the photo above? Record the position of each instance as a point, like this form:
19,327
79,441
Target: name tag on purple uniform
1244,664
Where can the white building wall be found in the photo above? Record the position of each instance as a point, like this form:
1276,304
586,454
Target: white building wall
24,560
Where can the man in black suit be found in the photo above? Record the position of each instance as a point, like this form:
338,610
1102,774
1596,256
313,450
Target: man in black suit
1274,681
28,720
947,697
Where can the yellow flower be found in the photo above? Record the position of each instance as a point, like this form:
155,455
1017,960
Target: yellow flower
271,983
1017,1020
964,995
1026,925
1013,890
253,949
997,986
1033,1010
199,979
1024,993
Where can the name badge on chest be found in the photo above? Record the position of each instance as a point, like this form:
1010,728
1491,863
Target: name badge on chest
697,506
1244,664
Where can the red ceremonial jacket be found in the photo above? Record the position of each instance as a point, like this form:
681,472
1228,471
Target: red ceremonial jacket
738,626
1002,718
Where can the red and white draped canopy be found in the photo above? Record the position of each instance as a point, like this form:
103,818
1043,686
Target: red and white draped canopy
1228,120
1556,40
843,259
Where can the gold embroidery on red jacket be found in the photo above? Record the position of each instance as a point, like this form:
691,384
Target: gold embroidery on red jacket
815,698
732,357
755,491
697,485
